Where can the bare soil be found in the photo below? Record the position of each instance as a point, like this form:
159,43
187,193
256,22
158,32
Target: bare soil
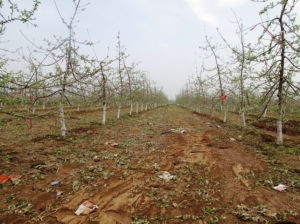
222,173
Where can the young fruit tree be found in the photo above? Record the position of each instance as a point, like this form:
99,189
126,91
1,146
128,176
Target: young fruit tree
278,50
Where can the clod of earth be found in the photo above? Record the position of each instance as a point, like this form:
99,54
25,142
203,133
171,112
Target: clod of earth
111,143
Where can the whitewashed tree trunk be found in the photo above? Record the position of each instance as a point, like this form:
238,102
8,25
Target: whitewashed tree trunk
78,107
137,108
131,107
104,114
44,105
225,116
279,140
244,119
119,111
265,112
142,107
62,120
33,109
146,107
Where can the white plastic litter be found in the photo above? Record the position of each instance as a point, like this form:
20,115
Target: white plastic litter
232,139
280,187
86,208
173,130
166,176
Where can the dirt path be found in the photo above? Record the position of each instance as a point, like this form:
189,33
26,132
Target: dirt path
215,179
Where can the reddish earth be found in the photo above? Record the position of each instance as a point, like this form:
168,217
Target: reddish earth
291,127
216,179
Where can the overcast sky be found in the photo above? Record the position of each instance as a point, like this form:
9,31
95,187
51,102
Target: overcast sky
163,34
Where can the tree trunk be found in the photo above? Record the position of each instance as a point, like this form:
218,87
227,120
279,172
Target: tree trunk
243,119
279,140
119,111
225,116
137,108
62,120
33,109
265,112
104,114
131,107
78,107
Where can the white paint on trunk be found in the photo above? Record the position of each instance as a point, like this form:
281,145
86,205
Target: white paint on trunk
33,110
137,108
146,107
279,140
265,112
244,120
225,116
104,114
142,107
131,107
119,111
62,120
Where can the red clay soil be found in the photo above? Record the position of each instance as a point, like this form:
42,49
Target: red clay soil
215,179
291,127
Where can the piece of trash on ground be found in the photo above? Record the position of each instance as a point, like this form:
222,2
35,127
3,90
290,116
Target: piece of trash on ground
55,183
4,179
166,175
218,126
175,130
86,208
280,187
15,179
111,143
232,139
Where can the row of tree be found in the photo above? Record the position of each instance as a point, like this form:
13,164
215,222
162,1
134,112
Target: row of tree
258,76
59,73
